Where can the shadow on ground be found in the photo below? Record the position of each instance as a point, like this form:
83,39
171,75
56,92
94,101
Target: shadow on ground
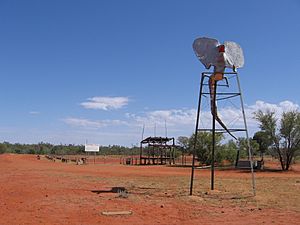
112,190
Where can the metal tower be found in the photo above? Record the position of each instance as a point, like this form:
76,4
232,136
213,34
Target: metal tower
223,90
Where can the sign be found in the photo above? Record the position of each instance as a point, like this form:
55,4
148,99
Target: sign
91,148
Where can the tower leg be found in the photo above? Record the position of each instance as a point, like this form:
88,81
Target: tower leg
213,139
196,133
247,136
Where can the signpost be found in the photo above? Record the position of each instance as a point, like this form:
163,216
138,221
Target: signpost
92,148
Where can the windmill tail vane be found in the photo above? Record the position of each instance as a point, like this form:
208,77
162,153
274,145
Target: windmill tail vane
221,56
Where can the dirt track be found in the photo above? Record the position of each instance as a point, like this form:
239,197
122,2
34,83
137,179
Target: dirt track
44,192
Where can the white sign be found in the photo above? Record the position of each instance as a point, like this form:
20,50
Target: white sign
91,148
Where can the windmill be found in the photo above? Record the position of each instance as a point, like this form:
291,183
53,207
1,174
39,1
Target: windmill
219,56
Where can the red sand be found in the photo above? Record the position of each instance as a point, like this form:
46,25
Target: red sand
44,192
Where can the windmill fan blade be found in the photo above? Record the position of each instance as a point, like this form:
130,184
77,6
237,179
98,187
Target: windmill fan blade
206,50
234,55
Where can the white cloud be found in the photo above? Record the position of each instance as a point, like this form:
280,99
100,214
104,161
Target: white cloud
231,116
173,117
279,108
177,118
105,103
85,123
180,122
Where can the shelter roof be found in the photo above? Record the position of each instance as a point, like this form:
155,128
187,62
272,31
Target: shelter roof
156,140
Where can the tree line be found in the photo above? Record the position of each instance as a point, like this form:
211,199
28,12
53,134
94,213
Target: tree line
279,138
71,149
224,151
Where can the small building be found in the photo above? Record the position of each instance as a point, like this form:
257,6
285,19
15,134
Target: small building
157,151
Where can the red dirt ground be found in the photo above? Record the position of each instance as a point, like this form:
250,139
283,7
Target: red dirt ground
45,192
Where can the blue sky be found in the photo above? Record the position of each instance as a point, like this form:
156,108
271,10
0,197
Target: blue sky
99,70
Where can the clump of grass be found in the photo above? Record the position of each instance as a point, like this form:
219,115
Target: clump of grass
122,194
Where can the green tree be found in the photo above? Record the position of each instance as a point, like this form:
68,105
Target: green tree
183,143
243,147
227,152
263,140
204,145
286,138
2,148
